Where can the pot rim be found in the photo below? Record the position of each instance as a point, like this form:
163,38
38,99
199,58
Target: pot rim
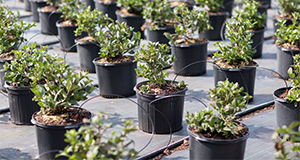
36,123
258,31
158,28
123,15
224,13
107,3
219,141
234,69
156,95
189,45
57,23
53,12
112,64
2,60
278,91
7,86
84,43
286,49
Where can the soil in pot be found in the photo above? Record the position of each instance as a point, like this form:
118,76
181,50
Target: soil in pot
165,113
132,20
188,53
108,7
244,76
216,147
48,17
88,51
217,21
35,4
117,78
51,129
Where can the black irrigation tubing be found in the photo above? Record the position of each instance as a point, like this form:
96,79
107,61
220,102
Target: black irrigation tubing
4,110
255,108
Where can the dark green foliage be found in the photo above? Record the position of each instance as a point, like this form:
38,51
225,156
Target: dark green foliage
132,6
213,5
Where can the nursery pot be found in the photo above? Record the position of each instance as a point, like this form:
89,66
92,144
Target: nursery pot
67,36
286,111
210,149
285,60
87,51
107,8
135,21
34,6
217,21
258,41
158,34
21,105
116,78
50,138
187,54
245,76
27,5
171,107
228,6
90,3
48,21
2,73
263,9
266,2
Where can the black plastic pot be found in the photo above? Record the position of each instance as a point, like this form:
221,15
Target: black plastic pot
263,9
135,21
187,54
171,107
258,41
90,3
87,51
21,105
158,34
211,149
27,5
217,21
228,6
245,76
116,78
50,138
67,37
34,6
286,112
107,8
48,21
2,73
285,60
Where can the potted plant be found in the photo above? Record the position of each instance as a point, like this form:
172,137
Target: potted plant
114,68
288,8
288,44
219,136
92,141
21,72
108,7
164,113
217,18
48,16
258,28
287,98
186,48
131,13
87,47
11,37
68,24
57,97
287,147
161,20
235,61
